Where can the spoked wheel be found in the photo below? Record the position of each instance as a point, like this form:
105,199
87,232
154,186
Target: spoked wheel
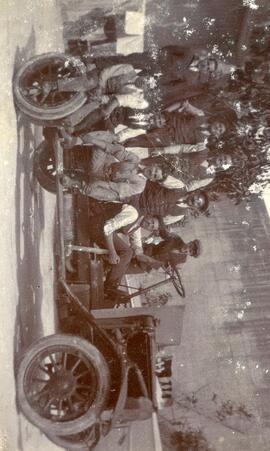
32,91
175,277
45,167
84,441
62,384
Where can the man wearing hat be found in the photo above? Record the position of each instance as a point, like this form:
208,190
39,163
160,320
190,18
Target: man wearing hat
172,250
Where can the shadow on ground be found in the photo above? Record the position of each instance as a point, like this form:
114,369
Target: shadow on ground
29,221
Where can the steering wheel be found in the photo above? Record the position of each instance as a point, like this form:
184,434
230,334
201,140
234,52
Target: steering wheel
175,277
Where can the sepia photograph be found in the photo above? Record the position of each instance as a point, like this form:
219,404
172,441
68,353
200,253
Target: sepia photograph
135,232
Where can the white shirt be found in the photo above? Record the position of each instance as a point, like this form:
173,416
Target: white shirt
174,183
125,133
172,219
143,152
169,219
132,98
127,216
129,95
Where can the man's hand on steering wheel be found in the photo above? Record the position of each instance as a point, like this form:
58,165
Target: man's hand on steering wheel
142,258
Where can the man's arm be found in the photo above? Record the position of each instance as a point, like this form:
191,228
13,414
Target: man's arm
107,142
188,108
185,107
128,133
136,244
114,71
171,219
110,107
173,183
121,154
177,106
113,256
199,184
100,138
135,239
177,149
127,216
114,191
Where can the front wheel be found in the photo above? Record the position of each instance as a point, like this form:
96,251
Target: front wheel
62,384
29,84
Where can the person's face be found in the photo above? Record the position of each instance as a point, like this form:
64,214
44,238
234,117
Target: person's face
215,67
223,161
158,120
195,201
150,223
207,65
153,173
217,129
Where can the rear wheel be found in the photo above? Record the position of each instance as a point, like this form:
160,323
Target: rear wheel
62,384
38,103
45,166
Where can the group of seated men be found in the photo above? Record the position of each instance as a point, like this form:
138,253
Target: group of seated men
147,142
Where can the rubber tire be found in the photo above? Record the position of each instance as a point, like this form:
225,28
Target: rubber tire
178,285
81,445
44,179
39,113
102,373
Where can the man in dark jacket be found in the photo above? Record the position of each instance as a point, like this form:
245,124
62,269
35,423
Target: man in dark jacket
172,250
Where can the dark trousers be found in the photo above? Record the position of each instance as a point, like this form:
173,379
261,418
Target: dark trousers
125,253
122,248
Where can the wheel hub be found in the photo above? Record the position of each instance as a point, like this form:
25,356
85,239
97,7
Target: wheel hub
62,383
